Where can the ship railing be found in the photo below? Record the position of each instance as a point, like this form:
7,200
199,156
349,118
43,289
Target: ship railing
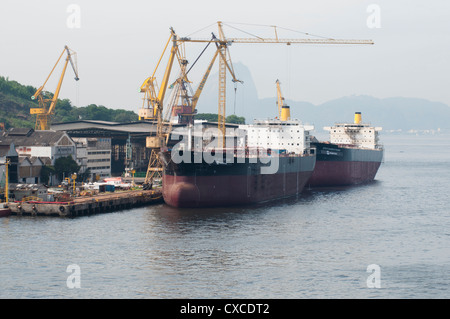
254,151
353,146
276,121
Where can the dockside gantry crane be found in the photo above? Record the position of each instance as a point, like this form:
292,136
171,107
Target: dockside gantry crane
154,111
45,111
182,104
223,43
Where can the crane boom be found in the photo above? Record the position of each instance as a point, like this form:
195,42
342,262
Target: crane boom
165,80
44,112
149,87
230,41
74,66
280,98
156,142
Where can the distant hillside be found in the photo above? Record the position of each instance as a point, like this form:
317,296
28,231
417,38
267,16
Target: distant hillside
15,104
390,113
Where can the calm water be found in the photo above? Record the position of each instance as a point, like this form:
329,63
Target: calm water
318,245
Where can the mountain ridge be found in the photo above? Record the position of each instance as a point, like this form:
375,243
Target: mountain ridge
392,113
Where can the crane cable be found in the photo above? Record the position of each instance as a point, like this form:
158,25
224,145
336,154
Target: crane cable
213,37
77,94
288,69
235,89
273,26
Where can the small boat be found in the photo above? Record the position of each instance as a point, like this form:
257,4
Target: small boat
5,211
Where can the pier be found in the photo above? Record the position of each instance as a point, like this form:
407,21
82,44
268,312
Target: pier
88,205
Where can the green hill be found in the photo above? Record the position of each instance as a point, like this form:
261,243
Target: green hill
15,104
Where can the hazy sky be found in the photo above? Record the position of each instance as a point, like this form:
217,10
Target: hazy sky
118,44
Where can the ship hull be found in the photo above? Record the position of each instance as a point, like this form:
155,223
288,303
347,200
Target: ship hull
5,211
212,185
341,166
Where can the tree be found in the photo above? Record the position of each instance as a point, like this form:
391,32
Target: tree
211,117
65,167
83,177
46,171
235,119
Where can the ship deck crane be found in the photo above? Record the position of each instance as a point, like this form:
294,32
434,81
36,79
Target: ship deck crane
284,113
45,111
280,98
222,42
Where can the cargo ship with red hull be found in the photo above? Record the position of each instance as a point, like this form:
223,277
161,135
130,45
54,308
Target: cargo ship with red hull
352,156
210,185
272,160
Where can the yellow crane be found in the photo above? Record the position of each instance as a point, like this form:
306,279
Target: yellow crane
153,105
45,111
150,89
284,113
223,42
157,141
192,102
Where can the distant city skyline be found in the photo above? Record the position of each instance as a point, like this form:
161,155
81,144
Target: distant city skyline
119,43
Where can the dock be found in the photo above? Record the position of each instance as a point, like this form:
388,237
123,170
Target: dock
88,205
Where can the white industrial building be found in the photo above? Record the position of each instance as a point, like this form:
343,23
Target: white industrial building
96,154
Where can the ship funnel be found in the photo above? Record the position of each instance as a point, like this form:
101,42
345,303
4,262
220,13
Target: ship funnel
357,117
285,113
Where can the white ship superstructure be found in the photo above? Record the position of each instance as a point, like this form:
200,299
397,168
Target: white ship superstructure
291,135
356,134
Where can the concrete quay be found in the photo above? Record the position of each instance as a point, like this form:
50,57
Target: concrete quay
88,205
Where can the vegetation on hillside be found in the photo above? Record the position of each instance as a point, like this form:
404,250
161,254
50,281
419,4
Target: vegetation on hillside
211,117
15,104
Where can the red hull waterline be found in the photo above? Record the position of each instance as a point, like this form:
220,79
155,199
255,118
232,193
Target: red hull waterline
336,173
210,191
